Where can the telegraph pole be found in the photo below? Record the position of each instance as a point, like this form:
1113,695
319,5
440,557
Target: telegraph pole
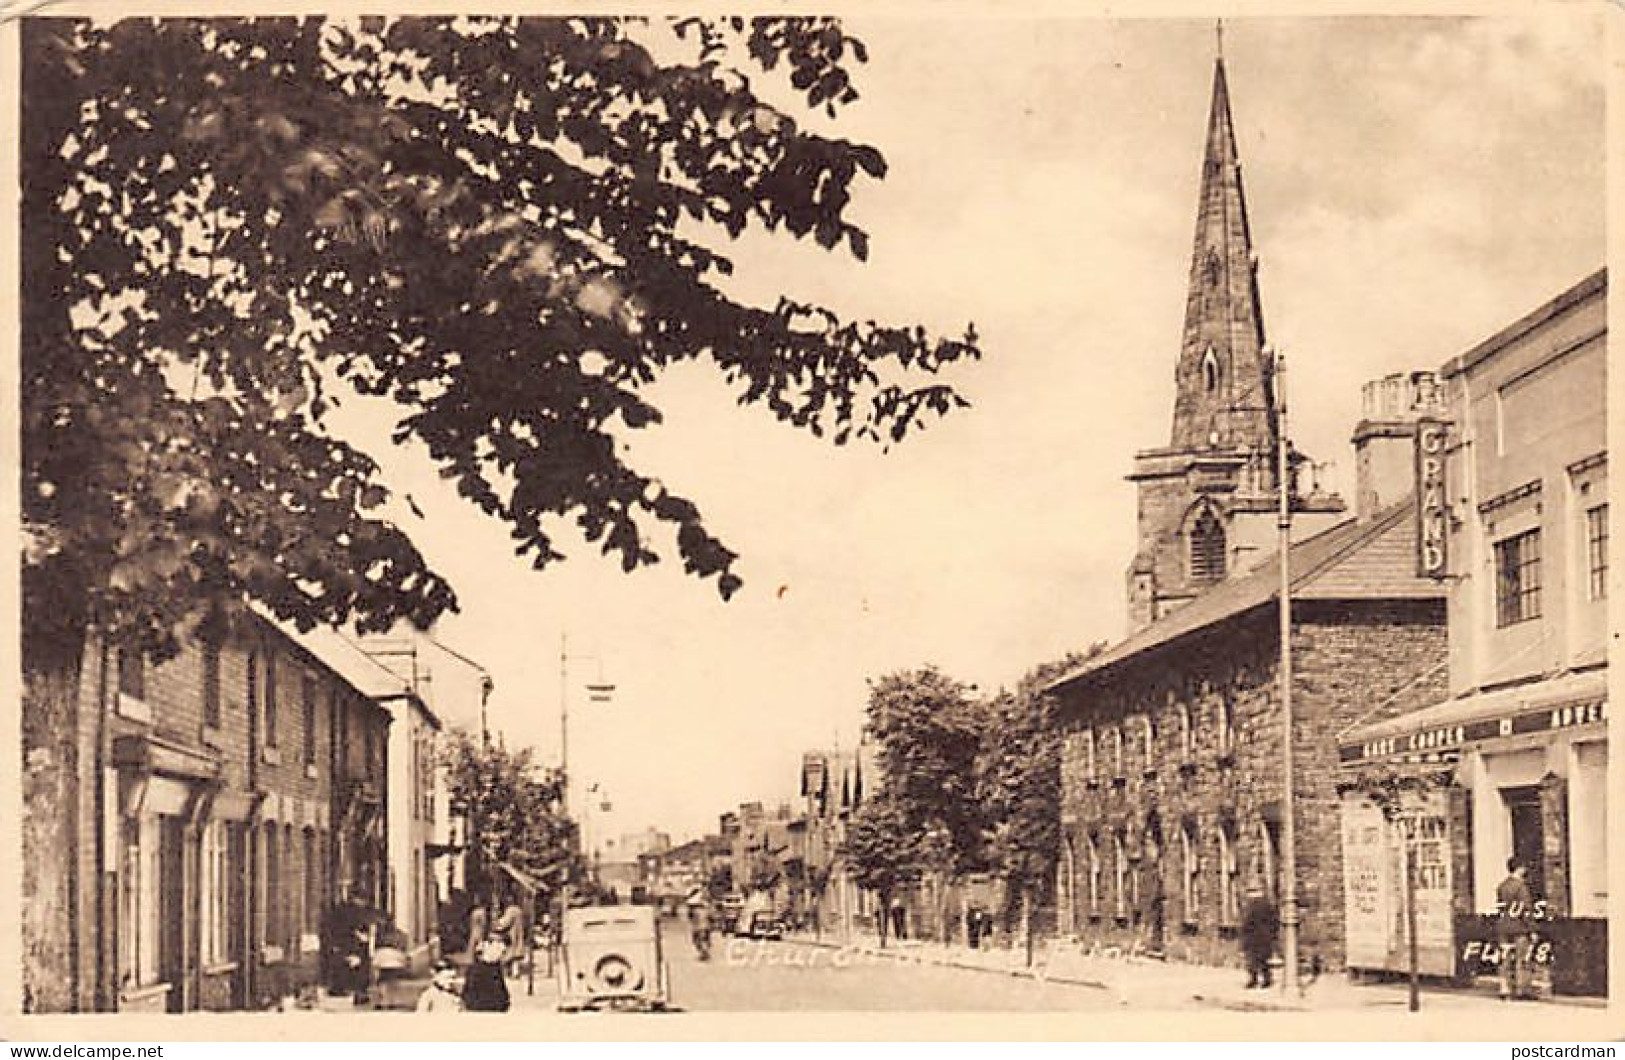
1289,850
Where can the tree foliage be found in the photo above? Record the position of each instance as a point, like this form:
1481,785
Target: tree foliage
507,226
880,846
515,809
1019,779
929,729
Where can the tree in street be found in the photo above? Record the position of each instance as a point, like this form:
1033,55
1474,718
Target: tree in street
880,847
515,812
929,729
1019,787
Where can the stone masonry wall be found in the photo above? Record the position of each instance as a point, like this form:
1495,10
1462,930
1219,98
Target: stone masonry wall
1216,796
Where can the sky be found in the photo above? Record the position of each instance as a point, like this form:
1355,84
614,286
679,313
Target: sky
1413,185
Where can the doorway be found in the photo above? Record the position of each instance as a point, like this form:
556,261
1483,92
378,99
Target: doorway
172,910
1528,838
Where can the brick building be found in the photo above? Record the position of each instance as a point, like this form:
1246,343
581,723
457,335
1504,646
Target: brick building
197,825
1513,759
1172,767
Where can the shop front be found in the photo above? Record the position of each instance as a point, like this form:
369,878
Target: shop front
1460,789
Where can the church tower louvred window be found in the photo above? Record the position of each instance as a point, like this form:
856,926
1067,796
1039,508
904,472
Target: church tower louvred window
1207,547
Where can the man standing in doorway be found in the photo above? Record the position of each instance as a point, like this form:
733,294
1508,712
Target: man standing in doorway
1514,913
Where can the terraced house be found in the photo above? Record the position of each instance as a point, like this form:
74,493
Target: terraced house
213,810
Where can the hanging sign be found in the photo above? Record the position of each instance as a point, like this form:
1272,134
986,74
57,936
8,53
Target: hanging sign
1432,507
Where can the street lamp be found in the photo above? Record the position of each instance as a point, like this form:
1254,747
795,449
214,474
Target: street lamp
1289,849
597,693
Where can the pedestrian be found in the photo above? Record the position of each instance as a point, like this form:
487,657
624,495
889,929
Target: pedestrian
899,919
479,924
441,995
485,989
510,928
1259,925
1514,913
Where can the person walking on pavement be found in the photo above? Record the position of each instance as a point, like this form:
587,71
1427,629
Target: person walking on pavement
699,926
1514,914
510,928
485,989
1259,925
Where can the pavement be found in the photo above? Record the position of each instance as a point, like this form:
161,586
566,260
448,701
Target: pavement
809,974
1145,983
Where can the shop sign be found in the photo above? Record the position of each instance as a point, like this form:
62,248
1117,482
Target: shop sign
1432,505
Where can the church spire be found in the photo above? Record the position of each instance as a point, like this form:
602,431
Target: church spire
1223,375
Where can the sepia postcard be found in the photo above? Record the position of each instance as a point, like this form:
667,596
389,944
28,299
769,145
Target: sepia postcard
684,523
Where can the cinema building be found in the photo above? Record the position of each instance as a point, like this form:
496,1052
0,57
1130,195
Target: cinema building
1514,760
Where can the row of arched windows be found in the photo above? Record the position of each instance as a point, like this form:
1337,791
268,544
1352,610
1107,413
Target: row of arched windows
1101,875
1113,749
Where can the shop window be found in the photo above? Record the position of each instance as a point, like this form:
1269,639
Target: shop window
1517,578
1597,552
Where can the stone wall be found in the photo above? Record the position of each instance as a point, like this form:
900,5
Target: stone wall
1209,785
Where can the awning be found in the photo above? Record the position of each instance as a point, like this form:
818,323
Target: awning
524,879
1439,732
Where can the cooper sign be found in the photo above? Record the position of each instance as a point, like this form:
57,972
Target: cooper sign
1432,508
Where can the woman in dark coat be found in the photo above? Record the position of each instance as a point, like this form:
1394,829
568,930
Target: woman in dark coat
485,990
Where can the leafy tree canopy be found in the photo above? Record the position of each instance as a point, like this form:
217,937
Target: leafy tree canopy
930,731
507,226
514,809
1019,777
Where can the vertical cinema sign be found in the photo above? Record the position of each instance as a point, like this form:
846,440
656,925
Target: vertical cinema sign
1432,509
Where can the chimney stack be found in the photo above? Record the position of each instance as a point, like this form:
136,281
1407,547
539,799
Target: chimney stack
1385,437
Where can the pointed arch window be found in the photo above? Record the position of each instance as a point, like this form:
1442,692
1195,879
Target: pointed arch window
1207,547
1210,370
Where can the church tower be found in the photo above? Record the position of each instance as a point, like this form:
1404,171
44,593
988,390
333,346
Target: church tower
1207,502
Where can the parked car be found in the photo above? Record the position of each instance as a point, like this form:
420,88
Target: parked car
764,925
611,957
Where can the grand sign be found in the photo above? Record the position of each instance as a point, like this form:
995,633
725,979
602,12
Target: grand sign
1432,503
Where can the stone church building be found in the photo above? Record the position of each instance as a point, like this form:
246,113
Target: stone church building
1171,773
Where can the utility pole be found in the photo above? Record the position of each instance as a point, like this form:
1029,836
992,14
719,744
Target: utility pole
1289,851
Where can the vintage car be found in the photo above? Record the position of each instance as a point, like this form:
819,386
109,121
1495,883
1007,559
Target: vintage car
610,957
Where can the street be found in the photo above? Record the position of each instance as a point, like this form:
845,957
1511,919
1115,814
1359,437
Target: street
746,975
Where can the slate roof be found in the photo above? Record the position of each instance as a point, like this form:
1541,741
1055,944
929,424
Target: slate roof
1374,559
